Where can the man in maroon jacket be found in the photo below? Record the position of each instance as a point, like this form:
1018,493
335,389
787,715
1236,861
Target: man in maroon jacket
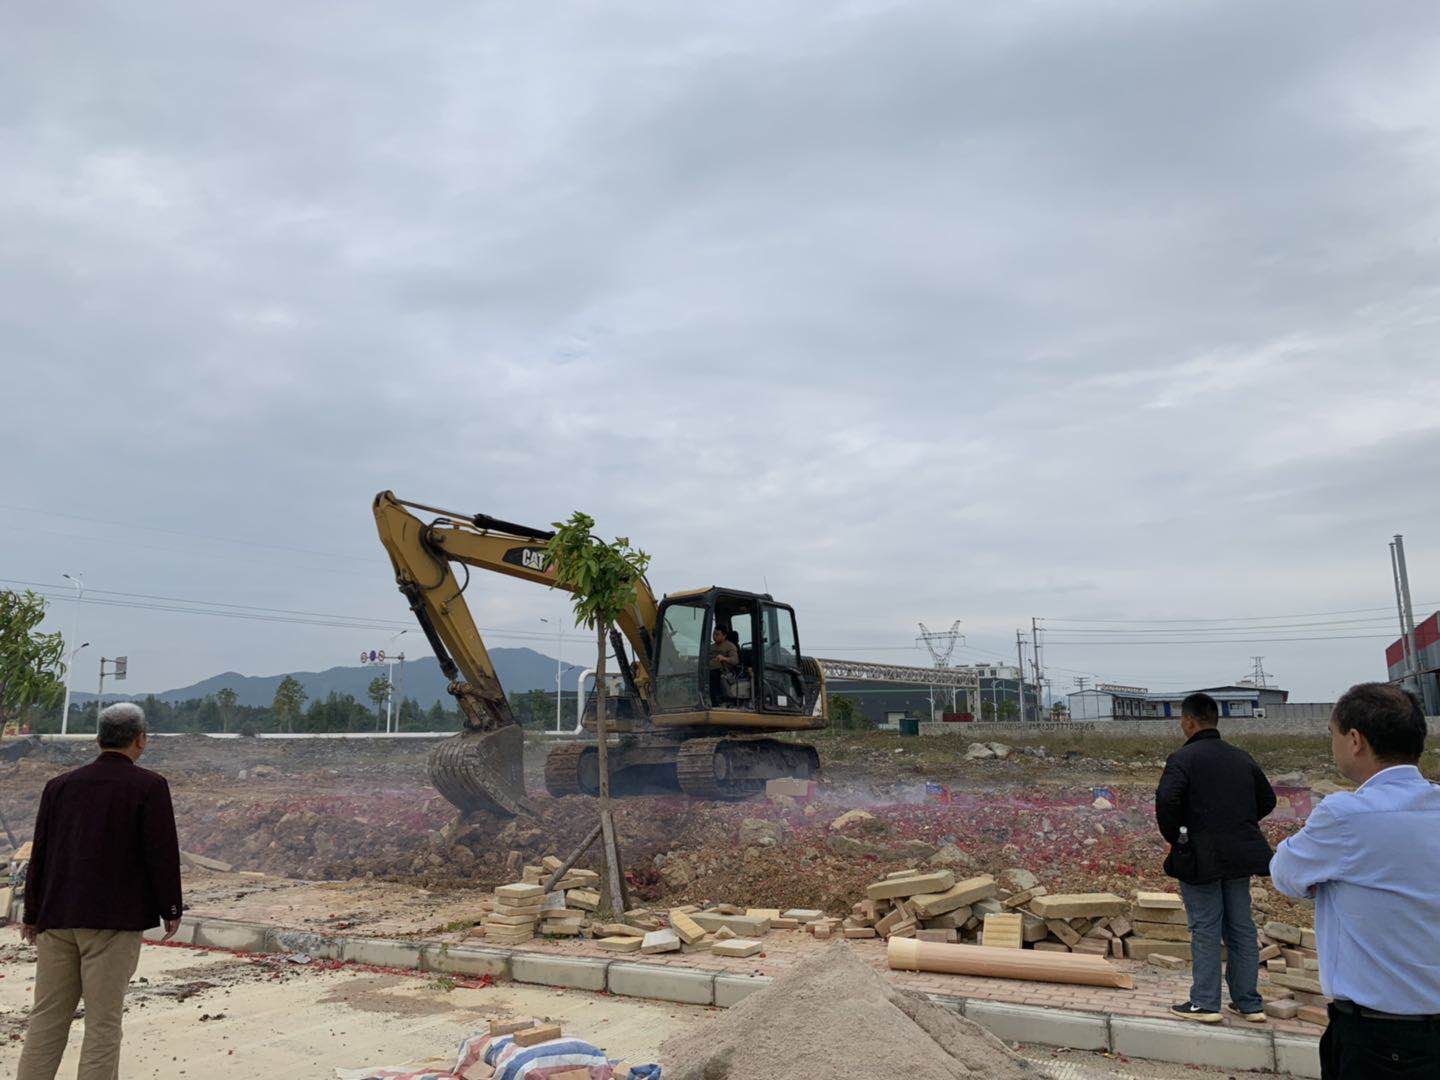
104,868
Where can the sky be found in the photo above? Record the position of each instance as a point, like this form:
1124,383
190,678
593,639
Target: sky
1100,314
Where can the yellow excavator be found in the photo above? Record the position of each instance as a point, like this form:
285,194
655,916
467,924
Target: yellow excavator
692,719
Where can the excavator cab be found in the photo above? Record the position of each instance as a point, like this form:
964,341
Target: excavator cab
759,672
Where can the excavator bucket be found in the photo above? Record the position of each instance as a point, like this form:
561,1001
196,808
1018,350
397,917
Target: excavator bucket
483,771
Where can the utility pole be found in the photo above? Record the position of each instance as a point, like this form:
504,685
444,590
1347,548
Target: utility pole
1039,672
78,582
1080,681
1020,659
1407,623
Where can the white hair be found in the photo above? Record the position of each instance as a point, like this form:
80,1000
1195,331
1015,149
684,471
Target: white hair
120,725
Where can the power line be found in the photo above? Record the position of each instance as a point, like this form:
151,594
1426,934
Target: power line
1231,618
1231,641
191,535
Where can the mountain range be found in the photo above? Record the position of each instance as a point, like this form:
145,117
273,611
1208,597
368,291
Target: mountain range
519,670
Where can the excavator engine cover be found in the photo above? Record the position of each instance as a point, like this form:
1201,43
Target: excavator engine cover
482,771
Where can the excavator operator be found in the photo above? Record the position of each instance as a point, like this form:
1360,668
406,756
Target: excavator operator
724,660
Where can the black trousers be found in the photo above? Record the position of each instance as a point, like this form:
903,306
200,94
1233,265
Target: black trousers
1358,1048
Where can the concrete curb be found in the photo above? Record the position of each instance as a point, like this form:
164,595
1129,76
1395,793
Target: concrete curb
1134,1036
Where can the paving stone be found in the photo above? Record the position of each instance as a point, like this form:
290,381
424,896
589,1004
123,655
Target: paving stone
1283,932
620,944
662,982
1003,931
683,924
743,925
935,881
1295,981
660,941
736,947
1162,931
1074,905
534,1036
1282,1010
1160,900
1160,915
519,892
1165,963
968,893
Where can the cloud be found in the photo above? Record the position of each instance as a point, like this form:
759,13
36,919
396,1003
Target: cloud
906,310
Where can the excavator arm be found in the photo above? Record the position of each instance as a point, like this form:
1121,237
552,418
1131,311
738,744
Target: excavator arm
482,768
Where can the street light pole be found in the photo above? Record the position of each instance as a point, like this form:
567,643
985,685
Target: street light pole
79,584
559,666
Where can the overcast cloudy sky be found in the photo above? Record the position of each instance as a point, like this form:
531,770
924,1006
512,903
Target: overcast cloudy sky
907,311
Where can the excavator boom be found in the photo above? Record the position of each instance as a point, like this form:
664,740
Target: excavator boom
482,769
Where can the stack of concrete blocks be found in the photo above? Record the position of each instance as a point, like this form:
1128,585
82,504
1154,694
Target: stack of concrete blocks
514,913
1093,923
1292,973
929,905
566,910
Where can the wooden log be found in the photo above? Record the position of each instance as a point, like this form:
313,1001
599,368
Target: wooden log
908,954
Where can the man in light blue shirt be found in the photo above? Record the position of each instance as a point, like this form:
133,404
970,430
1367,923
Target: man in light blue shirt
1371,860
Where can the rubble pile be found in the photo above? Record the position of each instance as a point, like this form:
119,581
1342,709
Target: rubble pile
834,1017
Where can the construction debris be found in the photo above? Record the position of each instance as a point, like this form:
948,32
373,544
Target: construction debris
903,955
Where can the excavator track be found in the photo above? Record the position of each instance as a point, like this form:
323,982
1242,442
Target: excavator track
562,769
738,768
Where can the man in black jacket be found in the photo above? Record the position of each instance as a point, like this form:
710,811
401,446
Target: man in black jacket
1209,804
105,867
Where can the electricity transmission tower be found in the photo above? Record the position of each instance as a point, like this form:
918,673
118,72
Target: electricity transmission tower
1258,675
941,646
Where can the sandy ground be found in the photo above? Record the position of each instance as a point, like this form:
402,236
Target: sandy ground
212,1015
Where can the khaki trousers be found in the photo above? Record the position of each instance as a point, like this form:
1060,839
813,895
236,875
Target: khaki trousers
92,964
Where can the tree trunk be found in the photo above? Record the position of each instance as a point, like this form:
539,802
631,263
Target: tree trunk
614,872
600,629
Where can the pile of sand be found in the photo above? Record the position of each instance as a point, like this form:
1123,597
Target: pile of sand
835,1017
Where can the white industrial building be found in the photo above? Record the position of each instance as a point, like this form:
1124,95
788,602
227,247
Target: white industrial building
1110,701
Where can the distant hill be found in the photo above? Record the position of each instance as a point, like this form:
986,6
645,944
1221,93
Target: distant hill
519,670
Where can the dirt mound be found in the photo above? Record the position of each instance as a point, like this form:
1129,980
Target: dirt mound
835,1017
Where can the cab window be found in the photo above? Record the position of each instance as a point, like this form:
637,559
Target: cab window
677,669
780,656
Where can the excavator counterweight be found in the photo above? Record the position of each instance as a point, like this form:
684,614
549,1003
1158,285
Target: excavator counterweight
707,674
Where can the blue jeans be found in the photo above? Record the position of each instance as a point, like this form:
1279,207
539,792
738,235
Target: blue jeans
1220,910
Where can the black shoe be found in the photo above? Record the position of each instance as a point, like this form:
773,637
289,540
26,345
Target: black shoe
1194,1012
1253,1017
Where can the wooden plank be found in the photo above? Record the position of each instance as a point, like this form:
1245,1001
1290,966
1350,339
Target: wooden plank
907,954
